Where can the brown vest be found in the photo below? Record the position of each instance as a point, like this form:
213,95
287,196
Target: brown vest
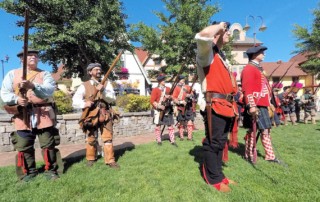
45,114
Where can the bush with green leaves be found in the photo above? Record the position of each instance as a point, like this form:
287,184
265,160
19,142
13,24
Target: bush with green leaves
133,103
63,102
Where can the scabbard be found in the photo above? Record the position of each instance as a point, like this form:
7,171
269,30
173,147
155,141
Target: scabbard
209,115
254,132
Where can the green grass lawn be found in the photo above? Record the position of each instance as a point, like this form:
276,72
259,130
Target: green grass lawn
164,173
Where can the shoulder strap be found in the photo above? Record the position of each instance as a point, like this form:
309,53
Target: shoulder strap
30,77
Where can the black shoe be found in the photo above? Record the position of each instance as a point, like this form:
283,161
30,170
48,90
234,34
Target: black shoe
275,161
174,144
190,139
50,175
29,177
159,143
181,139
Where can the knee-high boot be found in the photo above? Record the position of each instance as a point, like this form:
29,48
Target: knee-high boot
90,152
26,165
109,155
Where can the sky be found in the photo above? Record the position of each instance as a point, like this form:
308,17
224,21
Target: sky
278,15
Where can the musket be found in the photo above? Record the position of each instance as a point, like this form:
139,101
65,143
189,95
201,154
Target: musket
280,80
316,90
23,91
273,71
190,91
103,82
174,84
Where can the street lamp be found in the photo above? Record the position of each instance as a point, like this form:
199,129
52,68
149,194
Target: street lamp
6,59
261,28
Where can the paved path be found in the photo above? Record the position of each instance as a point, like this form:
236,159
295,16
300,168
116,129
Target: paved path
76,150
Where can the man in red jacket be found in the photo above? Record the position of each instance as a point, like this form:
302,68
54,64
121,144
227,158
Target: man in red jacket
219,86
257,96
182,97
161,102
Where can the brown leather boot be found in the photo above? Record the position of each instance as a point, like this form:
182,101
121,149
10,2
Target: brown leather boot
113,165
109,156
90,152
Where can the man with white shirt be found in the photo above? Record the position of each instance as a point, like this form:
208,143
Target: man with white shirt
102,115
40,120
220,87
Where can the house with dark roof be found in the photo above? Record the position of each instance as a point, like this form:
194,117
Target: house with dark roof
287,72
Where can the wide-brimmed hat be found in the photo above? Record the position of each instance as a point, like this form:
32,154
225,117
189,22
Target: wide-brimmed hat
20,54
256,49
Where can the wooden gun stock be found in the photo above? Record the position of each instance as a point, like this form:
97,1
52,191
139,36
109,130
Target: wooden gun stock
103,82
161,116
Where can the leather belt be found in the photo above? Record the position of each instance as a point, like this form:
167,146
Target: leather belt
228,97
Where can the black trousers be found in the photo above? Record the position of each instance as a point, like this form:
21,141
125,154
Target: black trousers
212,151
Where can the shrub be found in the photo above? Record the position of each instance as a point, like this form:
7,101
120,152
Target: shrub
1,103
134,103
63,102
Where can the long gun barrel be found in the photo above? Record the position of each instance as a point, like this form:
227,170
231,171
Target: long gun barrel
161,116
24,71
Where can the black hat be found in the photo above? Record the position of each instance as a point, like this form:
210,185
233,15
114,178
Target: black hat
20,54
93,65
256,49
181,77
161,77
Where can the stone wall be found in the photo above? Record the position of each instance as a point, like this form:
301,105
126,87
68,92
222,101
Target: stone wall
130,124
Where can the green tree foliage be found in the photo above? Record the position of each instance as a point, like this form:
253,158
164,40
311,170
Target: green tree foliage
173,38
74,33
309,43
63,102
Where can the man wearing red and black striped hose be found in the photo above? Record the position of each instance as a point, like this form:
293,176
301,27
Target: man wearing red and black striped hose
257,97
